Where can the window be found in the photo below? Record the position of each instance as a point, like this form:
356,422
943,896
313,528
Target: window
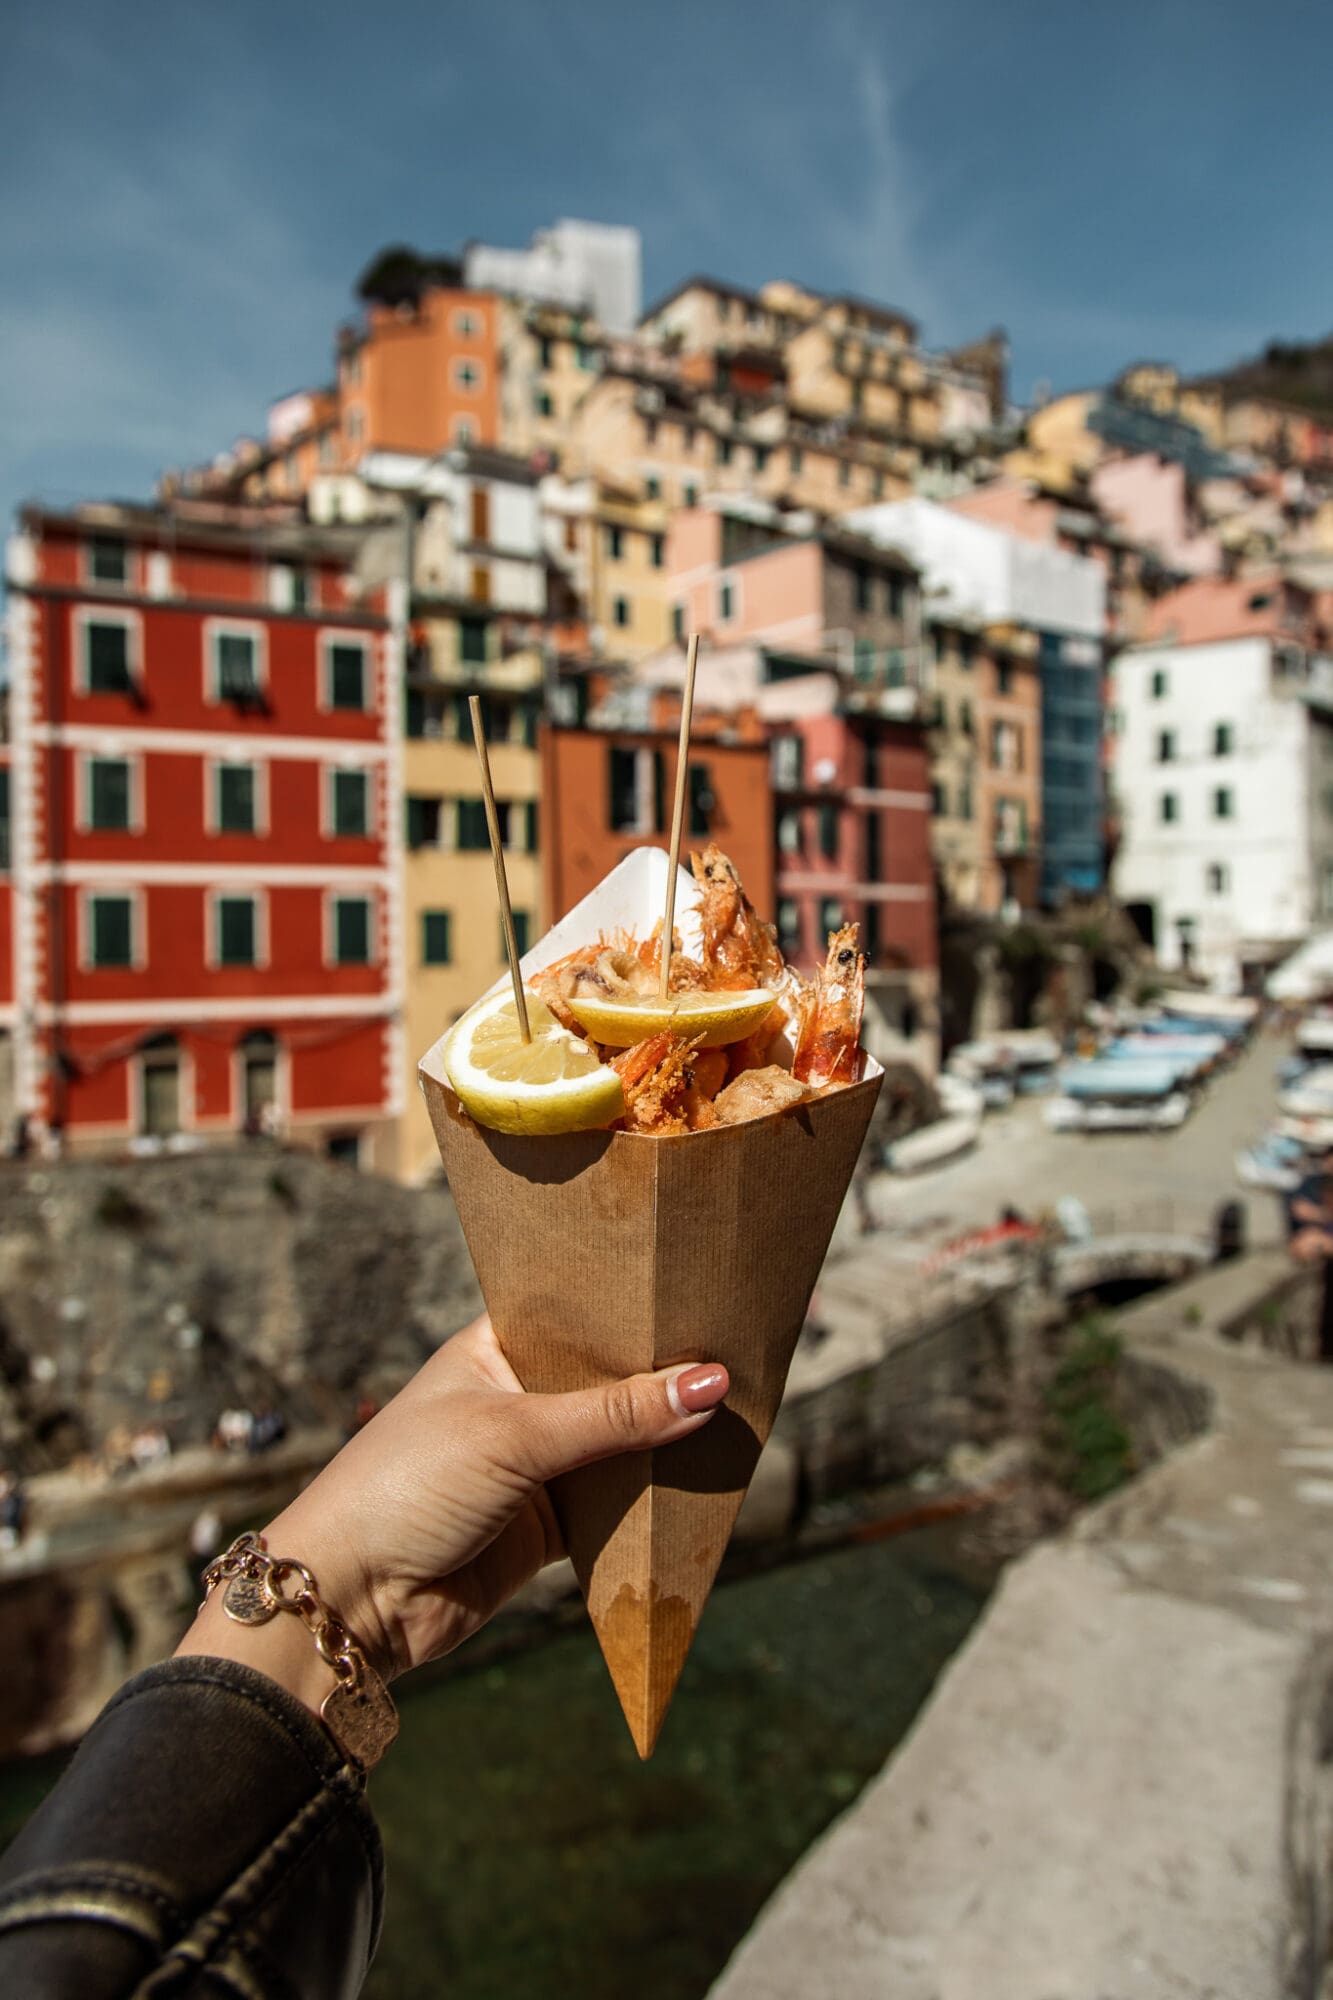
347,674
678,623
110,931
467,374
965,798
530,827
620,611
350,803
1222,802
235,666
862,587
236,799
351,930
109,794
1166,809
108,560
423,823
1218,877
301,593
522,932
895,597
657,551
723,453
702,802
828,831
236,932
543,404
466,325
107,668
1166,746
652,487
691,493
1157,685
789,925
789,832
874,846
967,651
473,837
965,717
1224,741
615,543
726,602
788,758
830,915
435,937
939,800
584,355
472,648
1004,677
356,423
462,430
160,1090
545,351
637,790
650,437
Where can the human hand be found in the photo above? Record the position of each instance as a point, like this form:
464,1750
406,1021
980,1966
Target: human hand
434,1514
1308,1246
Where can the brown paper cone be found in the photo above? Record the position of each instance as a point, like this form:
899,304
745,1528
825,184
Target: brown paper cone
600,1254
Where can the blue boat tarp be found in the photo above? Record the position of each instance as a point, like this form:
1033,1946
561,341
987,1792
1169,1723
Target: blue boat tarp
1099,1076
1191,1052
1195,1024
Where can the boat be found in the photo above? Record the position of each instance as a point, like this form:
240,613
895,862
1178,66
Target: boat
1277,1161
1234,1008
1130,1094
933,1145
1311,1096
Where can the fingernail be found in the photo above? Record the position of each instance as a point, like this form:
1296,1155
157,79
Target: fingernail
691,1391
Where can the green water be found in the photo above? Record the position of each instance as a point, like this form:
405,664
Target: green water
530,1852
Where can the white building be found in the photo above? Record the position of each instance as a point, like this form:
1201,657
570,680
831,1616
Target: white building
1222,754
971,570
592,267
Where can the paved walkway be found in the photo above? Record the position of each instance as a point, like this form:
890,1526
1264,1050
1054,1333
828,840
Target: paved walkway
1116,1791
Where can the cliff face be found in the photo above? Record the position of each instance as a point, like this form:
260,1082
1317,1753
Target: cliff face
163,1292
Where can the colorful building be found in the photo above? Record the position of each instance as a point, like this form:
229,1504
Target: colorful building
205,833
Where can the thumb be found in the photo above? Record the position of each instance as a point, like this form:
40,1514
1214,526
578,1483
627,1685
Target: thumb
561,1432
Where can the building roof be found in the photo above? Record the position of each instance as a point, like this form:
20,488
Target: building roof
702,283
200,524
1215,607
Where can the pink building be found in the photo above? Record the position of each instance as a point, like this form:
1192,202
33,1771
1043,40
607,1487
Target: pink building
1149,498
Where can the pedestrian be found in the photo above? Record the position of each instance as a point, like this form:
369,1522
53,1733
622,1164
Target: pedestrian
1309,1209
13,1510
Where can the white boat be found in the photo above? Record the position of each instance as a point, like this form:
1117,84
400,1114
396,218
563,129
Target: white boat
932,1145
1073,1114
1189,1005
1119,1094
1311,1096
1314,1035
1277,1161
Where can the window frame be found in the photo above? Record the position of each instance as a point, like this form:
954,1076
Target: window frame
133,761
332,898
469,374
213,770
239,628
129,553
328,640
120,892
1224,739
329,792
446,916
1227,811
257,898
88,615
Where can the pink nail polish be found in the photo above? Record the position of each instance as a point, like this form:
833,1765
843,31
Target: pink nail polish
701,1388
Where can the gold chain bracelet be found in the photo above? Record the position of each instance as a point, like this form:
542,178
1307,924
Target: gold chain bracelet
358,1711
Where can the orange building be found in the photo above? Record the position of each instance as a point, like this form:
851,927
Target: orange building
421,376
607,790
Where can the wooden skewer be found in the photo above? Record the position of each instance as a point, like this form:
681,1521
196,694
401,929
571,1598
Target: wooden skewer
678,812
497,856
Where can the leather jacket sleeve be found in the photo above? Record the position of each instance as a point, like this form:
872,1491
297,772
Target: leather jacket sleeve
206,1841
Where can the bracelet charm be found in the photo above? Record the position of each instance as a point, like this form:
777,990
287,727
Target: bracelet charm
358,1711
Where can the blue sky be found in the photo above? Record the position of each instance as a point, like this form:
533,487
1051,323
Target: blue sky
189,191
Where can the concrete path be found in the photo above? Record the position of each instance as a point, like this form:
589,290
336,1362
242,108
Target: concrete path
1119,1790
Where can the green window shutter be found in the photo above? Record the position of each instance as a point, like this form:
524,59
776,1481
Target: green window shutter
659,792
112,931
108,658
435,937
109,794
351,930
530,829
347,676
701,799
236,930
351,791
236,798
472,834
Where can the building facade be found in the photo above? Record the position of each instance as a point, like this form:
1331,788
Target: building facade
204,834
1223,773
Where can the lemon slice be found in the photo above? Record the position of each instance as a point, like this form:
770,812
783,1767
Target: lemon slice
720,1018
554,1083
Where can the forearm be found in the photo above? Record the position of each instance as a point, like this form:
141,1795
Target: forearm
206,1823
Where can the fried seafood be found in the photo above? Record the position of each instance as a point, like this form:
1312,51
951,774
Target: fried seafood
739,948
828,1014
756,1092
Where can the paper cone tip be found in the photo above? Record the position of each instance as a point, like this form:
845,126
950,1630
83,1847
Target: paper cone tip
645,1637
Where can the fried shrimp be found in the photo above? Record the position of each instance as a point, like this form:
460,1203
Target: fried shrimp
829,1016
740,949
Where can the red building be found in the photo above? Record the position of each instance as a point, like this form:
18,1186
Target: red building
203,832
